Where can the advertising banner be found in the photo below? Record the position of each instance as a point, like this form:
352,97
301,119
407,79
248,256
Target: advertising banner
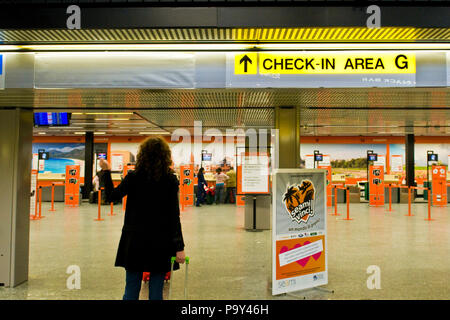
376,185
299,247
439,187
72,186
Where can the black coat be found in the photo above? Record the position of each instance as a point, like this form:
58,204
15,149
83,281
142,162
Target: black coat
151,233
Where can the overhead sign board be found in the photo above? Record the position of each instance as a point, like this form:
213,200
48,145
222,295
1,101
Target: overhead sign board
321,69
299,247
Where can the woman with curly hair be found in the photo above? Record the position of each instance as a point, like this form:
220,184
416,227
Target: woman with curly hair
151,233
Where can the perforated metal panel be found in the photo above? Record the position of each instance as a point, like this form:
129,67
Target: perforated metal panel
198,35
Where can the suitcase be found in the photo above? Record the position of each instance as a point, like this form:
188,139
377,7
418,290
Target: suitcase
146,276
172,261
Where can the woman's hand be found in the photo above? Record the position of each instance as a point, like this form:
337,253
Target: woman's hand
181,257
104,164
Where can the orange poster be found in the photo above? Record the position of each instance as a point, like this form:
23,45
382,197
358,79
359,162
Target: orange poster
305,265
72,189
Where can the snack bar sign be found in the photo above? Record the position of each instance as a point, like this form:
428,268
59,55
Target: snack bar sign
320,69
324,63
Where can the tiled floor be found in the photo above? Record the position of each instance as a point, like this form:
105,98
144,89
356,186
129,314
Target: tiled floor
228,262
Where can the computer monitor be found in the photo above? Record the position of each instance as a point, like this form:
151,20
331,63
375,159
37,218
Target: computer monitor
318,157
372,157
101,155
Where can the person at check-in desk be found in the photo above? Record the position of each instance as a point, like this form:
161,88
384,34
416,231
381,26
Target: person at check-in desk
151,233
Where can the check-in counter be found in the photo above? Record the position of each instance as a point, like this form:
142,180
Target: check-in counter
341,194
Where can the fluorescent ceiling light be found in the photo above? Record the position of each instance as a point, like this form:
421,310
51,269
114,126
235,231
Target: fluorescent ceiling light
155,132
96,113
113,119
42,133
99,132
125,48
79,132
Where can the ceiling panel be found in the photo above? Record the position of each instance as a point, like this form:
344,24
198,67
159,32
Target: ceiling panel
370,111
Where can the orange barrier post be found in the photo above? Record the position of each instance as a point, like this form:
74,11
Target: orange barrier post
99,218
390,197
335,202
348,205
112,209
409,203
53,198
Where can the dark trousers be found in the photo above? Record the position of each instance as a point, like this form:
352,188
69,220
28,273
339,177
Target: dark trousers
231,191
201,195
134,281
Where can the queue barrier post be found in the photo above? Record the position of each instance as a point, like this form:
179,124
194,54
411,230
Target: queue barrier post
112,209
390,198
409,203
335,202
348,204
99,217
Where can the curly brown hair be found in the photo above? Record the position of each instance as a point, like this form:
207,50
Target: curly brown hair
154,158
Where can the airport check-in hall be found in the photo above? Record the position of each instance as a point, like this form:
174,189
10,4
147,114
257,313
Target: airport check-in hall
276,151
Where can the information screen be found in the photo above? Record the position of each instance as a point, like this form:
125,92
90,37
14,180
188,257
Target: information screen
206,156
432,157
51,119
373,157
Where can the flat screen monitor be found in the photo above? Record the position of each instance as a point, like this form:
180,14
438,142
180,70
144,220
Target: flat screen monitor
318,157
101,155
44,155
432,157
48,119
206,156
372,157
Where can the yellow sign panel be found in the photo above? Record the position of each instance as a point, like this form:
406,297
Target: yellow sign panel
337,63
246,63
332,63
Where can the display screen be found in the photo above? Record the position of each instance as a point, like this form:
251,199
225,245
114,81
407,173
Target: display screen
206,156
318,157
101,156
432,157
373,157
44,155
51,119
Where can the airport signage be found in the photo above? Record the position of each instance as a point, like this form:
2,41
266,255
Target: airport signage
299,247
325,63
319,69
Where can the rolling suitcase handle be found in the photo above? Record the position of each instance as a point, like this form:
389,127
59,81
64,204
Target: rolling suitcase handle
172,261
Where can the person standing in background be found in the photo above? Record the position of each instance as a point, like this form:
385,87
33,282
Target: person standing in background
201,185
220,185
231,186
